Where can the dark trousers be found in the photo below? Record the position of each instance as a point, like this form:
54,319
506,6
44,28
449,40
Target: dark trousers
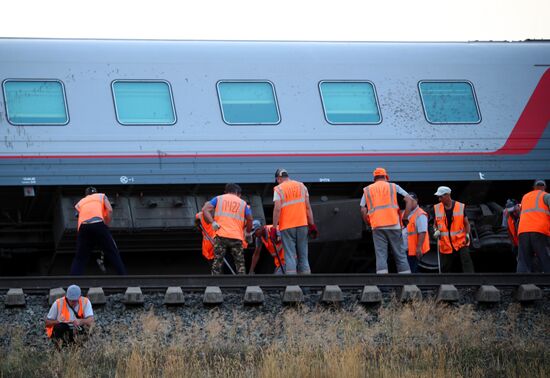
533,245
63,332
457,262
413,263
90,236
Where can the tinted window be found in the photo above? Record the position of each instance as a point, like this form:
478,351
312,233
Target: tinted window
449,102
349,102
248,103
35,102
143,103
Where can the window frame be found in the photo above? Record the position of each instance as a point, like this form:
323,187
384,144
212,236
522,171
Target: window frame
478,110
351,123
65,103
172,103
249,123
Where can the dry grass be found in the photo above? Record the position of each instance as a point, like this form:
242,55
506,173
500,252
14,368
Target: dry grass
416,340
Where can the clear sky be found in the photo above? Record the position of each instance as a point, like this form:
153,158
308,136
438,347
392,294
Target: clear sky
341,20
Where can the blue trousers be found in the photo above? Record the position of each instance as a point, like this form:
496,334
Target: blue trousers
295,247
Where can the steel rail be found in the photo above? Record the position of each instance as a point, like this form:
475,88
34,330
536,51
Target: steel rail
273,281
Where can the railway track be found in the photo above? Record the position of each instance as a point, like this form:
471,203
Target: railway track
199,282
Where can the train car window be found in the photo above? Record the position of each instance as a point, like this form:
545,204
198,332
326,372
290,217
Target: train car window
248,103
35,102
350,102
449,102
143,102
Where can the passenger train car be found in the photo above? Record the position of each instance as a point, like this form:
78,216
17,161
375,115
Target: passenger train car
160,125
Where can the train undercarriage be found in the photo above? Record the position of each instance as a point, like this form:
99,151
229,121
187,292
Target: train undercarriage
153,227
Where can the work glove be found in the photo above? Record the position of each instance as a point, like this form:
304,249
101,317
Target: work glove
312,231
275,234
437,233
197,223
216,226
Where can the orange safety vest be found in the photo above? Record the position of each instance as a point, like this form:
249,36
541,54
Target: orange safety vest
63,314
413,235
293,204
512,229
456,237
266,240
207,244
230,215
381,198
92,206
535,215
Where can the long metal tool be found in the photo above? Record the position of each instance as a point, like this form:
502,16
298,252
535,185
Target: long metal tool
438,257
277,250
205,234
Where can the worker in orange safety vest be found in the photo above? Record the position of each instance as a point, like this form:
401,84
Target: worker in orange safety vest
69,316
534,229
208,235
293,221
94,215
380,210
264,237
510,220
453,231
418,241
231,220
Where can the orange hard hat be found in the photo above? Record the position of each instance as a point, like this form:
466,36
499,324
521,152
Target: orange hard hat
380,172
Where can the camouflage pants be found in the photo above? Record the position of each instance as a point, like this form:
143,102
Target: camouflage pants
221,245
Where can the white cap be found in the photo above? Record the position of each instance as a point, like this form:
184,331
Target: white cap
442,190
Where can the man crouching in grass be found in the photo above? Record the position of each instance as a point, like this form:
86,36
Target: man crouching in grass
69,316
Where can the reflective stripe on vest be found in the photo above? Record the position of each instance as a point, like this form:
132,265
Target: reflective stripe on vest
268,243
382,204
230,215
413,235
89,207
535,214
292,195
63,314
455,238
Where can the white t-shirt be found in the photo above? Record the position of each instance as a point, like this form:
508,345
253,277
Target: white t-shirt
52,315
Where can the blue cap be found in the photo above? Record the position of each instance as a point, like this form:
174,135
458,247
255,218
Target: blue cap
255,225
73,293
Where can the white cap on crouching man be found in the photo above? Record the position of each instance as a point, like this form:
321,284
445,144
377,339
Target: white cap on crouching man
442,190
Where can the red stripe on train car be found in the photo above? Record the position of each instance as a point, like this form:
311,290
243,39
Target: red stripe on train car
523,138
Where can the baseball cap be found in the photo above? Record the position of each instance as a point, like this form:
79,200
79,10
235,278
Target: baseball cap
539,182
281,172
73,293
413,196
380,172
255,225
442,190
90,190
